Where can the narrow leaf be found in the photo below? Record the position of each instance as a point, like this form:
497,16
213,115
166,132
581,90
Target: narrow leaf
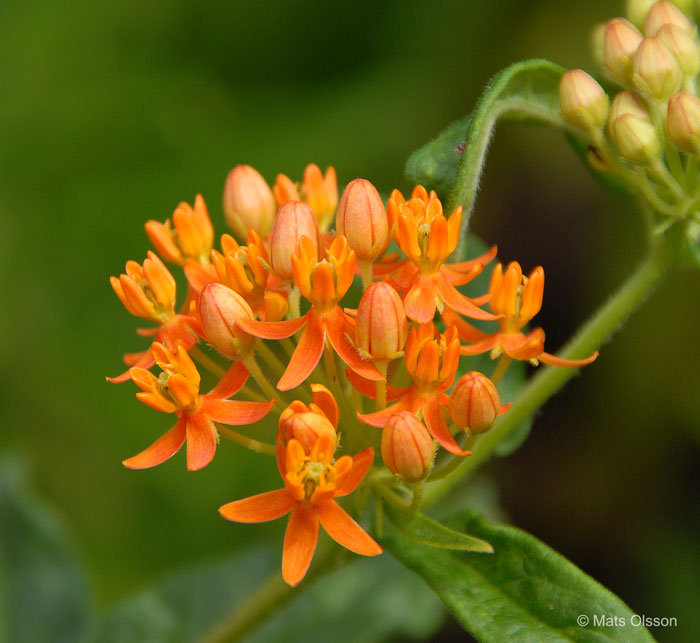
525,591
426,531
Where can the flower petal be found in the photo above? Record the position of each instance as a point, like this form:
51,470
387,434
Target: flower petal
201,441
419,301
306,355
458,302
272,330
369,388
437,425
236,376
299,543
234,412
547,358
409,402
261,508
198,276
361,463
162,449
337,327
324,399
345,531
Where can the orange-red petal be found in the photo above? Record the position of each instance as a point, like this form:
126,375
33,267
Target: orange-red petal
458,302
420,300
236,376
234,412
437,425
345,531
324,399
273,330
337,329
369,388
201,441
305,356
547,358
162,449
261,508
361,463
299,543
409,402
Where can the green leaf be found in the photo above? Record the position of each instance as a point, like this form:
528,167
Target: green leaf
452,163
367,600
426,531
43,594
525,591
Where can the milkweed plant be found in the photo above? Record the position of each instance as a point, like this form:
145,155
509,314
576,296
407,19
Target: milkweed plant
348,317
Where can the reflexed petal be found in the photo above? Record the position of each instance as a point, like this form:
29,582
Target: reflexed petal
261,508
345,531
324,399
337,328
481,347
467,332
546,358
234,412
437,425
361,463
236,376
157,402
409,402
299,543
306,355
162,449
458,302
369,388
419,301
201,441
272,330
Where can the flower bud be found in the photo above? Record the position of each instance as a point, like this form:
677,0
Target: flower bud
636,139
305,424
637,10
474,403
627,102
407,447
683,121
381,325
248,201
683,46
621,41
218,308
583,101
597,43
665,13
294,220
656,71
361,217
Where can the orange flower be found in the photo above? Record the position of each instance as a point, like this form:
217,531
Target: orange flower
432,364
311,483
427,239
192,237
306,424
323,283
176,390
517,299
148,291
319,191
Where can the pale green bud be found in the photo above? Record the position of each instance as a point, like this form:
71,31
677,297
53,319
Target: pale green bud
684,47
627,102
665,13
683,121
656,71
619,47
598,44
636,140
583,101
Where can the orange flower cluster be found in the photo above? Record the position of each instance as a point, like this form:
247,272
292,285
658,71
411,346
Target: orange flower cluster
283,292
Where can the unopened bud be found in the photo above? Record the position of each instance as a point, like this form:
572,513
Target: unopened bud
219,307
362,218
294,220
621,41
305,424
627,102
583,101
637,10
597,43
407,447
474,403
684,121
665,13
656,70
381,325
636,139
683,46
248,201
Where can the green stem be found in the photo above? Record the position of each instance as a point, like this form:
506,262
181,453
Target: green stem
262,381
294,302
269,356
245,441
590,337
198,355
501,368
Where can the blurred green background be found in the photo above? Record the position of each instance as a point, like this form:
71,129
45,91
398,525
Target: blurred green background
112,113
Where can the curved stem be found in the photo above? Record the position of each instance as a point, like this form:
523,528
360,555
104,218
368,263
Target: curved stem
590,337
501,368
269,356
262,381
245,441
207,362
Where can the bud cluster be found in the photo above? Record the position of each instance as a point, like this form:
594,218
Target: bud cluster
653,122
